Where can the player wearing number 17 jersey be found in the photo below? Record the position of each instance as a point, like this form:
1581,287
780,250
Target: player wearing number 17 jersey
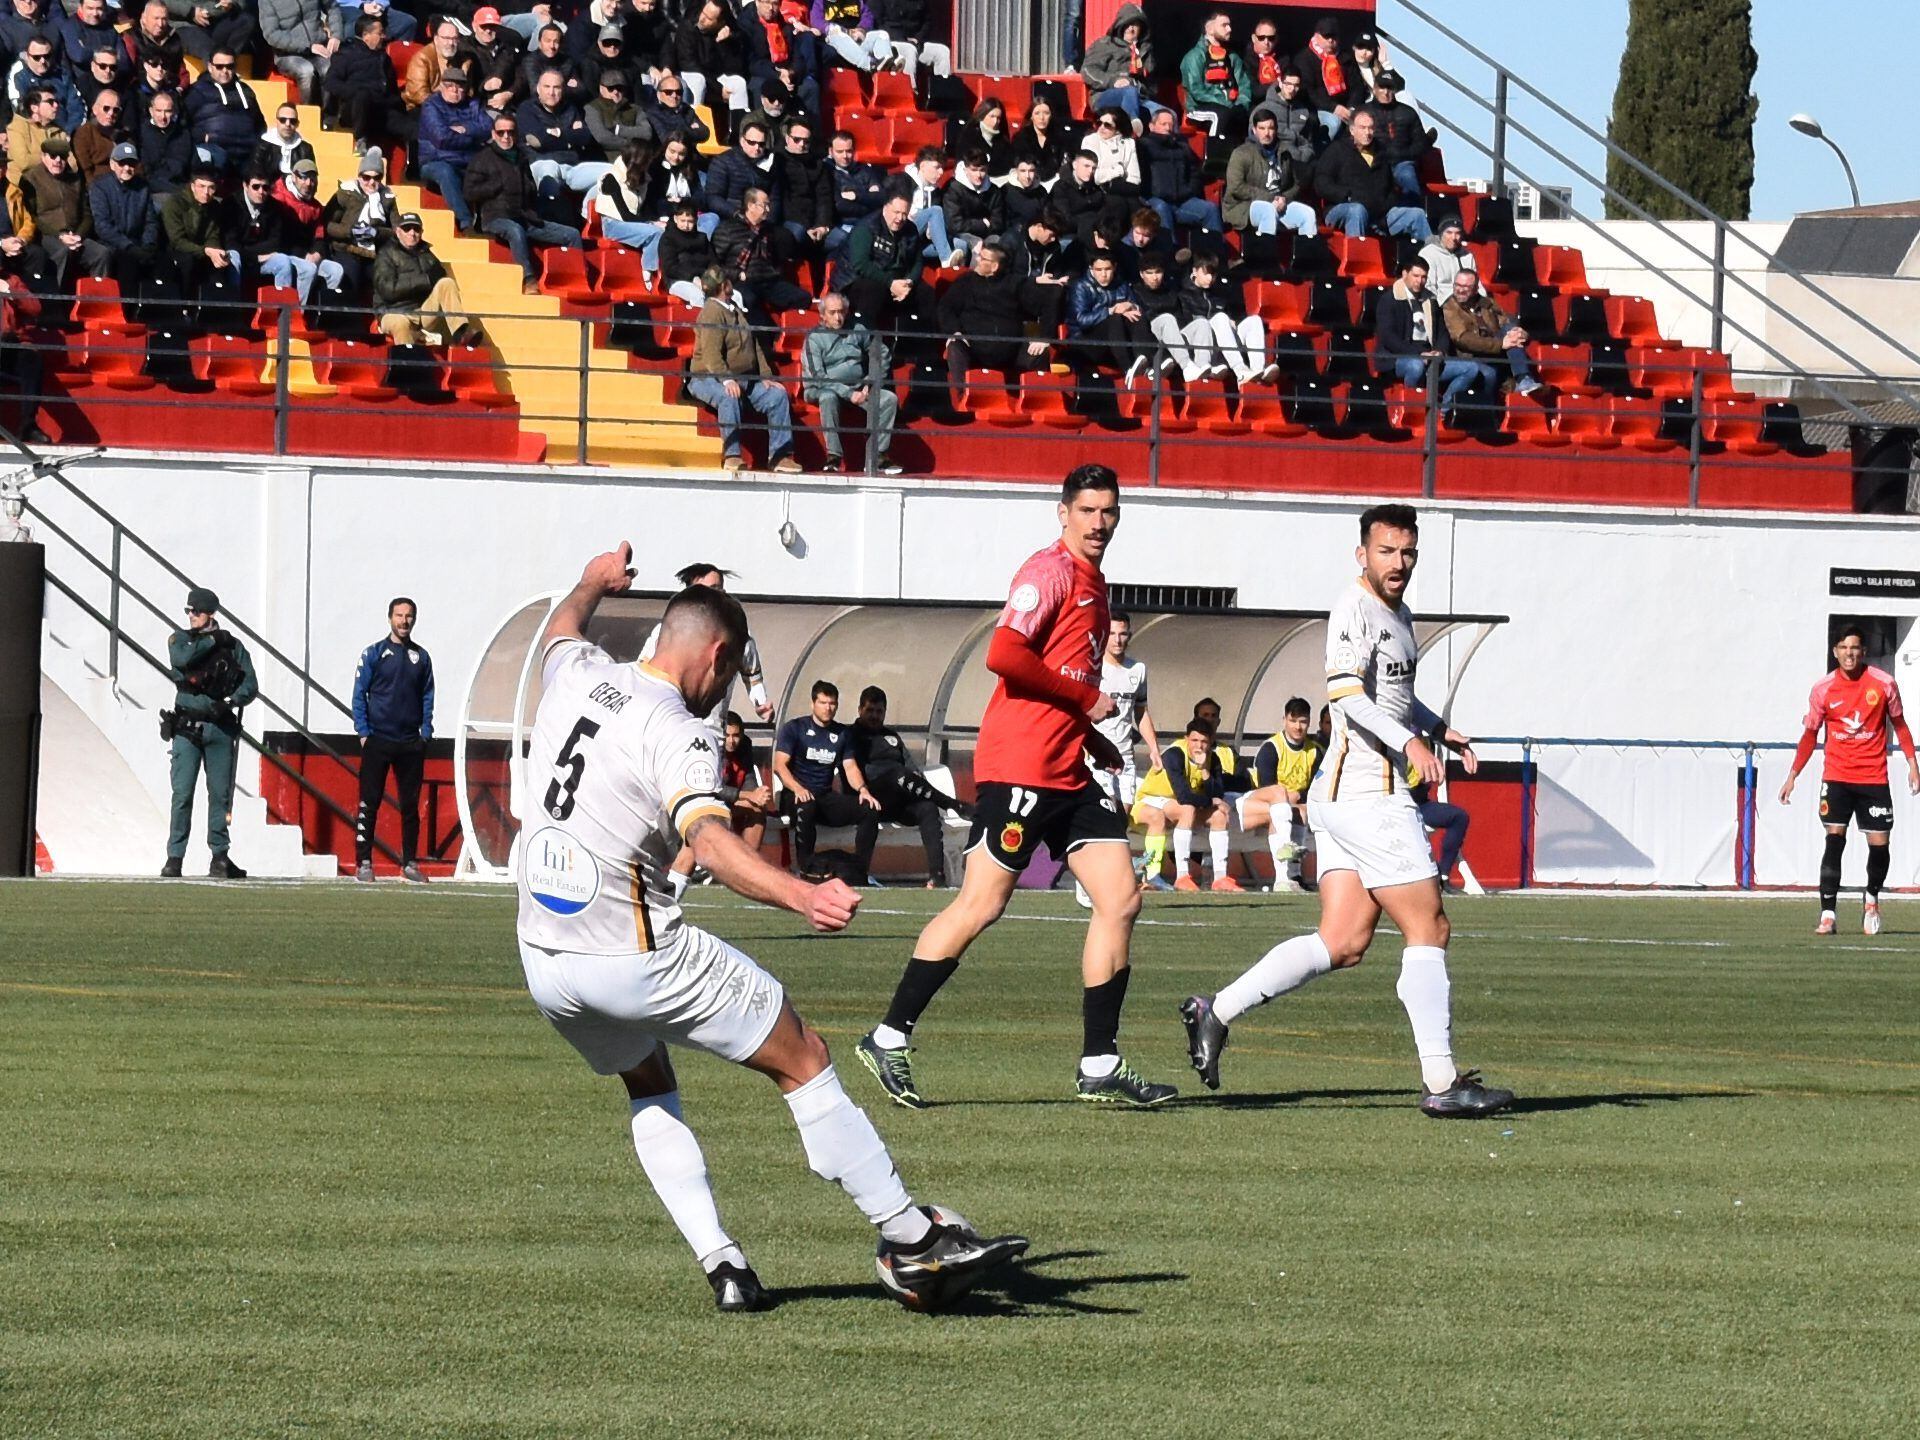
1374,854
1034,788
1857,704
620,762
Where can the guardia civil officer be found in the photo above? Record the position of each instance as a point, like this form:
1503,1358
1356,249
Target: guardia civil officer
393,713
213,681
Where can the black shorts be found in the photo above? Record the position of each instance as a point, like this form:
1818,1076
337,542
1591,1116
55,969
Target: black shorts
1870,805
1011,821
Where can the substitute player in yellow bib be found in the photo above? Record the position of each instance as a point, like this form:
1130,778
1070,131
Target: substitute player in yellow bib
1374,853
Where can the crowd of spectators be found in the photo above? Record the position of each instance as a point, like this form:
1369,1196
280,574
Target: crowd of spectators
698,134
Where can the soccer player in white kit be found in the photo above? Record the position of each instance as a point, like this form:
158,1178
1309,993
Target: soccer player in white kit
1374,853
620,760
1125,679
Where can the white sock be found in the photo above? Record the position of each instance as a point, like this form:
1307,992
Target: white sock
888,1038
1182,852
842,1146
678,883
671,1156
1277,849
1426,993
1287,966
1217,849
1098,1067
725,1255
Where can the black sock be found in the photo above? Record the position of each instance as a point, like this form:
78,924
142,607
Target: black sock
1100,1015
1879,857
918,985
1830,870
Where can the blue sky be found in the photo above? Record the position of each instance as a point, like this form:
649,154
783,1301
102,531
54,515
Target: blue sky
1571,50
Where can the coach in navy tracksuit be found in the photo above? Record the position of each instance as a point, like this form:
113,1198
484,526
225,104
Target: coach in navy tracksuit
393,713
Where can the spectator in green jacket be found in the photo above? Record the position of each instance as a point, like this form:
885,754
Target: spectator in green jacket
837,364
1214,81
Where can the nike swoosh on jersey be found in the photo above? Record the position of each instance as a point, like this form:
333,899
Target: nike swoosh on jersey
1087,601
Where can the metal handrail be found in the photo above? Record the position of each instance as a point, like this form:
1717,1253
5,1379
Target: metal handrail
1724,226
118,636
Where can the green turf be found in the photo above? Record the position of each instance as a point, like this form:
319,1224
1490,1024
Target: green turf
303,1161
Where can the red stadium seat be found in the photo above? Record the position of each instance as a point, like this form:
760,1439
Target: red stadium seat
355,368
844,90
563,272
1736,424
1560,266
97,302
987,394
1631,319
233,363
1531,421
1586,420
1045,396
1363,258
1564,367
893,95
116,356
1282,304
1636,425
1663,372
1206,407
473,374
1264,412
621,277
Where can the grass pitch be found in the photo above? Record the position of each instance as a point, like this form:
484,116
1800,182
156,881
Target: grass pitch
303,1161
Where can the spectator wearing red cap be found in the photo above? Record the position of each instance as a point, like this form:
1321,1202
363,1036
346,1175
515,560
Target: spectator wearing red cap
496,67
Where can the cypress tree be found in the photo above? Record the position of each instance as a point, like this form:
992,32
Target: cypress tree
1684,106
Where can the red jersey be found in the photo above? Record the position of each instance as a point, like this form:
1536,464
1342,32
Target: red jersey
1856,713
1059,603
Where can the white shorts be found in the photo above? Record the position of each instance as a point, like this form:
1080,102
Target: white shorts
1381,838
1122,785
695,990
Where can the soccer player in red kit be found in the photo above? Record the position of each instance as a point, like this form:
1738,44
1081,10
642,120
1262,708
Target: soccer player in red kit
1034,786
1857,704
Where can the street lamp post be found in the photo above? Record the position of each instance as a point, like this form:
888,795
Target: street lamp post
1807,125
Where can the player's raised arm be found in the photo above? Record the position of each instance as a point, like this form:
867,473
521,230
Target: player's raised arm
608,574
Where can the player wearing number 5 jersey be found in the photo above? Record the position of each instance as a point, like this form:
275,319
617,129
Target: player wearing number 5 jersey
1034,788
1856,704
1374,853
621,763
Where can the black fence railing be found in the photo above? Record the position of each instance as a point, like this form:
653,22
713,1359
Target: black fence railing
1281,395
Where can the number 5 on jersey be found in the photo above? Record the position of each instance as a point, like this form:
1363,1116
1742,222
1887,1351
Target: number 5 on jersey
570,766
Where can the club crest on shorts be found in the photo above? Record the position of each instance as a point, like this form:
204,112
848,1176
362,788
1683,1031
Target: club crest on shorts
1012,835
561,875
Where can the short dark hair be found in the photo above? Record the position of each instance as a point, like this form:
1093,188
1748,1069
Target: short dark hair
1853,628
1415,263
930,152
1052,219
719,609
1118,617
1203,702
1089,477
699,570
975,159
998,250
1145,219
1298,706
732,718
824,687
397,601
837,136
1198,725
1292,72
1394,517
873,692
365,23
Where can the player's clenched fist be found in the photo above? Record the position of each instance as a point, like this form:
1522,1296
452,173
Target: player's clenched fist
830,906
612,572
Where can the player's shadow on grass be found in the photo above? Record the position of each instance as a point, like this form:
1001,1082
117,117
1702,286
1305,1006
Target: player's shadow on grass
1286,1099
1621,1099
1018,1290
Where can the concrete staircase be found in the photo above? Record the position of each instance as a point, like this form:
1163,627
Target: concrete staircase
630,422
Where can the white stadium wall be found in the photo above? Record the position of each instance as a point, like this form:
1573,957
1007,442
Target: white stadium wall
1623,623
